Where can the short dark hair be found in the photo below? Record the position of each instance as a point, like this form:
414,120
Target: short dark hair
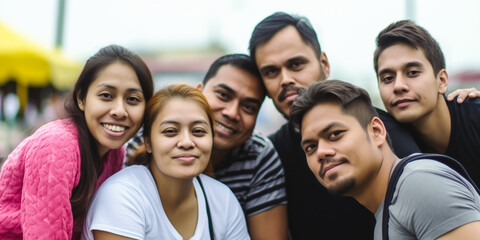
272,24
240,61
408,32
354,101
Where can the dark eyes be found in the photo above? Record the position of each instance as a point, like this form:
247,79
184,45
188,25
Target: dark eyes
171,132
222,95
297,65
131,99
310,148
105,95
270,73
330,137
388,78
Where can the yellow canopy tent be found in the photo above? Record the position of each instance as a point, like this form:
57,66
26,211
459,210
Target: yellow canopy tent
30,64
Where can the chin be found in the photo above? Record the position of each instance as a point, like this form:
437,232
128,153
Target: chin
341,188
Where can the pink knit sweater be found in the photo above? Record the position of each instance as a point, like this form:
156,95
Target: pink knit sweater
37,179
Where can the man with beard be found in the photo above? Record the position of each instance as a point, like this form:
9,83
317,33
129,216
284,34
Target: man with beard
287,53
349,152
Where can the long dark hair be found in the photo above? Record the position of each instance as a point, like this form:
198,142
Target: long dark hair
91,164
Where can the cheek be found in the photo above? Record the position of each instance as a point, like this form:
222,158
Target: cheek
136,114
313,165
272,88
249,122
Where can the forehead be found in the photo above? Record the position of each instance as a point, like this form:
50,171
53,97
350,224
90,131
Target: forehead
285,44
117,73
238,80
399,55
325,115
182,110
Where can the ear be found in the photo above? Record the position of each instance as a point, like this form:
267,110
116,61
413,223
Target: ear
200,86
81,105
148,146
377,131
442,76
325,64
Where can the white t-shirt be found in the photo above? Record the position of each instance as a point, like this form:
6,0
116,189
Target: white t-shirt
128,204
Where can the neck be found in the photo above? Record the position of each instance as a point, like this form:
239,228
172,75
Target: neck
217,156
373,193
433,130
173,191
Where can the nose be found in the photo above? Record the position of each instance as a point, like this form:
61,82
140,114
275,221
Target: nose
118,110
400,84
231,110
185,141
324,151
286,78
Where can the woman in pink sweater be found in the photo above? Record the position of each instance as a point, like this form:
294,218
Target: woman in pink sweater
47,182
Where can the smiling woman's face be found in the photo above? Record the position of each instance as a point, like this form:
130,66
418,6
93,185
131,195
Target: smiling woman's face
114,106
180,141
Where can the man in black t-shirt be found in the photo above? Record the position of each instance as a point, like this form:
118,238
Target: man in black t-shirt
412,79
287,52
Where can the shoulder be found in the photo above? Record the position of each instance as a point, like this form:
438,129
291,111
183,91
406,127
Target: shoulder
130,184
258,142
216,189
130,176
431,199
56,135
469,104
430,179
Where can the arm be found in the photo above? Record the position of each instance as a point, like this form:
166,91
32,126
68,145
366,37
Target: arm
101,235
270,224
52,165
466,232
463,93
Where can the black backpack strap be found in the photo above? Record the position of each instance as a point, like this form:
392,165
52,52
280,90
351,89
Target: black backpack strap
450,162
210,225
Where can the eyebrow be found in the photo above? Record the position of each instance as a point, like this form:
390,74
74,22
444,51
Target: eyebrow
323,131
114,88
296,59
230,90
289,61
177,123
408,65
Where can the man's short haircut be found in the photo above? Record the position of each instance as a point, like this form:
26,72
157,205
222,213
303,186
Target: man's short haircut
240,61
272,24
353,100
408,32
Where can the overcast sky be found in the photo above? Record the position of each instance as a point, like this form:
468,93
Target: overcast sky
346,28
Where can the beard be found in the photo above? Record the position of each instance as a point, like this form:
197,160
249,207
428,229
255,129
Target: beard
341,187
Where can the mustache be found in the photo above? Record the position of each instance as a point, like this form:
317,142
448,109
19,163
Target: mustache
329,161
284,91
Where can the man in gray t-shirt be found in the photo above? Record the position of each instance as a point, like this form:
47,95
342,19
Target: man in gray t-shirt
430,200
348,150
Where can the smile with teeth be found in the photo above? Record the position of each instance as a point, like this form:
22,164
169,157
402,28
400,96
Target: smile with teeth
114,128
224,128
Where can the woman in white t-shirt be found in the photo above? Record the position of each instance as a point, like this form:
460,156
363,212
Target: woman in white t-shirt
164,195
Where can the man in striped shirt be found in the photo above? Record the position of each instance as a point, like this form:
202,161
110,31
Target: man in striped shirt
245,160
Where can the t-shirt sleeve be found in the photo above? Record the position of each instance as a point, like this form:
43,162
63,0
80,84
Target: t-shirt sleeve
117,209
268,185
434,202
